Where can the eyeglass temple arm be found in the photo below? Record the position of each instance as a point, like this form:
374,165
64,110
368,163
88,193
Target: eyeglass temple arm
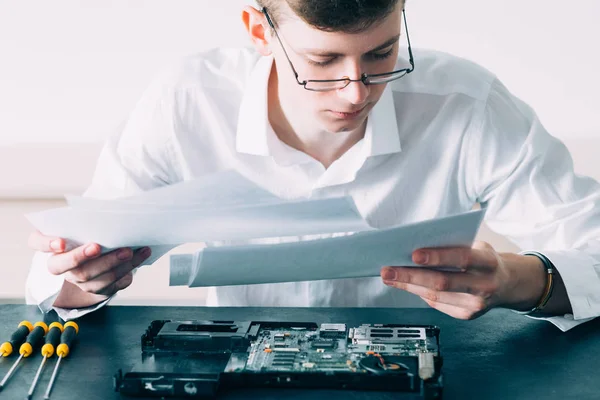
272,25
410,54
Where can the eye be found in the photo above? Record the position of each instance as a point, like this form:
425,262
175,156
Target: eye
320,63
382,55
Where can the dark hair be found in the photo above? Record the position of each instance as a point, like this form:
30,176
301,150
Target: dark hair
350,16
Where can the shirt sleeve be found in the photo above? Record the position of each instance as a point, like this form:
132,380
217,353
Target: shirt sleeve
138,156
525,179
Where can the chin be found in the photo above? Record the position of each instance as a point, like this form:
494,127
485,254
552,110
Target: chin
342,126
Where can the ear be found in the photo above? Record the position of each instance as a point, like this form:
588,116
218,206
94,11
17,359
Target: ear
257,28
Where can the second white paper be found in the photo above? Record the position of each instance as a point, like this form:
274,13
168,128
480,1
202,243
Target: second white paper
358,255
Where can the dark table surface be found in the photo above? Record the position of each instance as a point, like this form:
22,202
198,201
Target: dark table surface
501,355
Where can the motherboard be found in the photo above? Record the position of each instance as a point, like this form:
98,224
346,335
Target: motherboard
378,349
197,358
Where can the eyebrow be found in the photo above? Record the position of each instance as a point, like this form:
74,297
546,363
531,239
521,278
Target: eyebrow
325,53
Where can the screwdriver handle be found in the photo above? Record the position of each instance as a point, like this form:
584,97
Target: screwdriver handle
52,339
33,339
71,330
16,339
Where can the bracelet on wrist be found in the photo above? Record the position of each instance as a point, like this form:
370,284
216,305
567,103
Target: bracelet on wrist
549,268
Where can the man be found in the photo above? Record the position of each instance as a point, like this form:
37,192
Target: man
331,101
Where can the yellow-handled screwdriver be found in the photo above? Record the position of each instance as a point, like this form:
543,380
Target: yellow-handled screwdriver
71,330
26,349
52,341
17,338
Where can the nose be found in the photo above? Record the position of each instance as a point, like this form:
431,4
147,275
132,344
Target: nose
355,92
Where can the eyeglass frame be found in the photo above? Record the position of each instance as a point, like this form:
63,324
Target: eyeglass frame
364,77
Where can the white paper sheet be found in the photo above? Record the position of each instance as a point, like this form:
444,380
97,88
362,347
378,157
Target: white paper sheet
358,255
219,206
113,229
221,190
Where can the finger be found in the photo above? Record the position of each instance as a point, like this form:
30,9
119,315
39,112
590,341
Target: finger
105,283
48,244
141,255
121,284
463,258
443,281
63,262
92,269
124,282
454,311
462,300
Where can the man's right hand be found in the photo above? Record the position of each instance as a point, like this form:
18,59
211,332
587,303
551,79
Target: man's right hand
89,276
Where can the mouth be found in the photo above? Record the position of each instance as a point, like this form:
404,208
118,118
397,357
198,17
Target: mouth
347,114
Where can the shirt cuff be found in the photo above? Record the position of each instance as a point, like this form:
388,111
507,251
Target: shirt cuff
67,314
582,283
565,322
43,288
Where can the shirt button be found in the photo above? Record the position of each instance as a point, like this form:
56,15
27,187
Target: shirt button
569,316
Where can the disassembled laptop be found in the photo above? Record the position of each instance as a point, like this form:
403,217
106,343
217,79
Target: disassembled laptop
201,358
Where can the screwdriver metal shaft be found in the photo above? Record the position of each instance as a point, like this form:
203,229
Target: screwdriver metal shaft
37,377
10,372
52,379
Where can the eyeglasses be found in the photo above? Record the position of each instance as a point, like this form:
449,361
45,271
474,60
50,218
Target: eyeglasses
324,85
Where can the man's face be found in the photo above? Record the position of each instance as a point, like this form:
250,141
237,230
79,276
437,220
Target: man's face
332,55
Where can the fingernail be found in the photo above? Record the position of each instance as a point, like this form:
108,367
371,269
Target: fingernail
421,257
146,252
388,274
55,244
124,254
91,250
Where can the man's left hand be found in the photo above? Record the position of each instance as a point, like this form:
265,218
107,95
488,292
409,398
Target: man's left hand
481,279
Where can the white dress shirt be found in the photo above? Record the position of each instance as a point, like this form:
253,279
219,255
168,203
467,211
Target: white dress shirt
440,140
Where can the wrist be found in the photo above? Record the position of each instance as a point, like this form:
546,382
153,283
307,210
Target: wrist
529,279
71,296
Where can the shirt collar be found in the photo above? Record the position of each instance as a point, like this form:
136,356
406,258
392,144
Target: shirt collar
255,136
381,133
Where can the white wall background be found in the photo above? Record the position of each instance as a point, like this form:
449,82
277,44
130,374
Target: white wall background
70,70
